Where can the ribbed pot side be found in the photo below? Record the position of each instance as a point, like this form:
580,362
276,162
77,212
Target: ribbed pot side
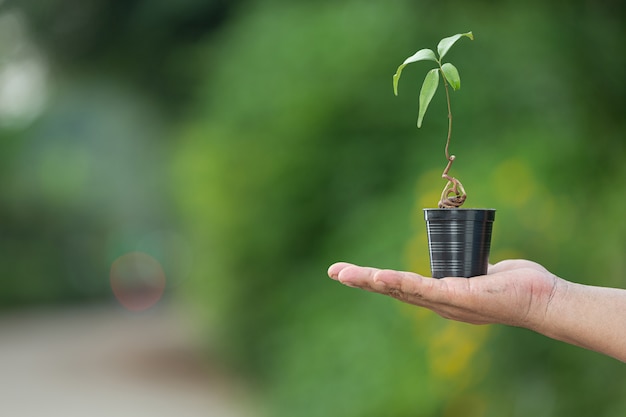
459,241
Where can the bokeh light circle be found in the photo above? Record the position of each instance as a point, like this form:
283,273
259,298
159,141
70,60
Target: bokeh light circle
137,280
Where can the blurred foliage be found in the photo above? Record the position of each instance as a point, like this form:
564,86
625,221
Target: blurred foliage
247,145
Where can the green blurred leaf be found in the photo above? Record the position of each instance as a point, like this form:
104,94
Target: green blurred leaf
431,81
452,75
446,43
421,55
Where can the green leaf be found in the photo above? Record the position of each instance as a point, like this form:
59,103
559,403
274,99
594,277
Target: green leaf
421,55
446,43
452,75
427,92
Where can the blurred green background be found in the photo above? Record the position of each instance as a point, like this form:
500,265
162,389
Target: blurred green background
246,145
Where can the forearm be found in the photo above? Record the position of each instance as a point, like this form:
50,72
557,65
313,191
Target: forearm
590,317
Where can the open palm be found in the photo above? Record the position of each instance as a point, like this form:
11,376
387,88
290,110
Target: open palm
514,292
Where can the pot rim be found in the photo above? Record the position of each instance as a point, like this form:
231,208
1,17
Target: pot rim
467,214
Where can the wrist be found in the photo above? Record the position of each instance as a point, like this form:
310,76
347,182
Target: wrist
551,310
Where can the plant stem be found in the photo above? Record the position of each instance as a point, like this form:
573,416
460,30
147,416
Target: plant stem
445,84
453,186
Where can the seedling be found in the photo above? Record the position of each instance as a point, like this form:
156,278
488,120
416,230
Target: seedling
453,194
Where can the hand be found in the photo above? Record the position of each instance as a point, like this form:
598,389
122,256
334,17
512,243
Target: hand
514,292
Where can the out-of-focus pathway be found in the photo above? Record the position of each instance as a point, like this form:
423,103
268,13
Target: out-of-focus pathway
105,361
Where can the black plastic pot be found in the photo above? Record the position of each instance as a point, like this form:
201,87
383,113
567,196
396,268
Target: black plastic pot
459,241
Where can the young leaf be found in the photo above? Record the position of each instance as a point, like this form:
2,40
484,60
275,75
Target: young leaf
421,55
446,43
452,75
427,92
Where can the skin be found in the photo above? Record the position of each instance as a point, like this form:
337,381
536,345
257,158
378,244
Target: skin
514,292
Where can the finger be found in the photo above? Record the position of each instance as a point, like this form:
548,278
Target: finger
399,284
513,264
404,286
419,290
448,297
451,298
336,268
503,266
357,276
